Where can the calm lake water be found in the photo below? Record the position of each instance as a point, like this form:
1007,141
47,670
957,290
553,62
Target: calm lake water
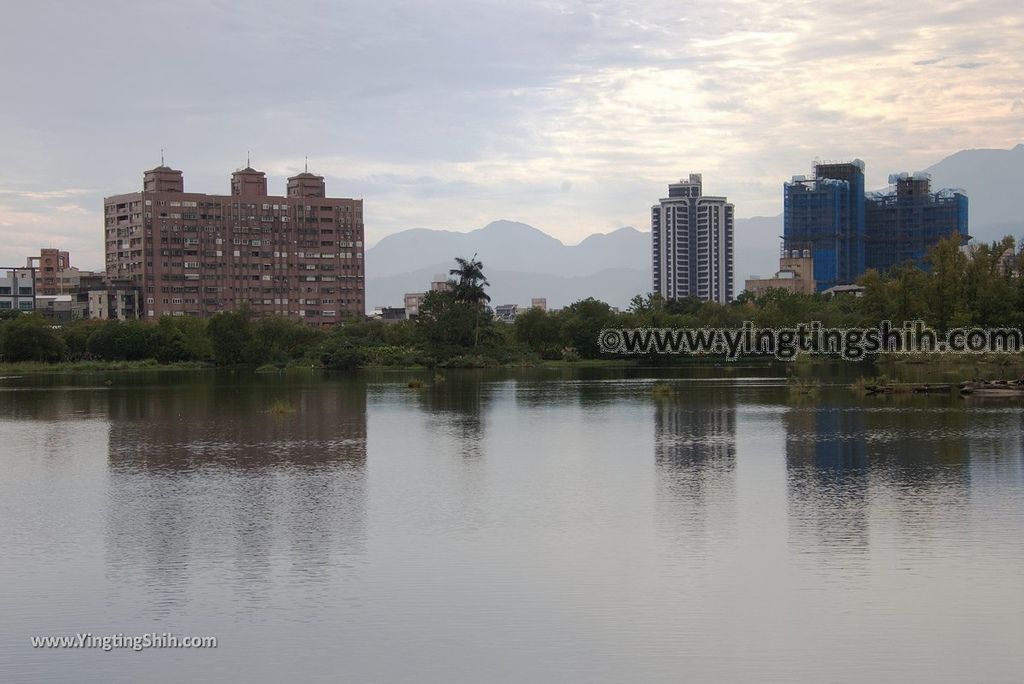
538,526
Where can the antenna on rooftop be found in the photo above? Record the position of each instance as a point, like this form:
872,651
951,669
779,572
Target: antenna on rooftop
248,157
161,156
307,164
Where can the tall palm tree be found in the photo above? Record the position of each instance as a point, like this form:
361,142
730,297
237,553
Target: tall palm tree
469,288
471,282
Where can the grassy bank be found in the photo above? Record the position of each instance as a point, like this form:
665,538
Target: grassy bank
914,368
93,366
952,367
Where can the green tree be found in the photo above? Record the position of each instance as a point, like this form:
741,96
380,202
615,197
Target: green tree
231,336
469,289
683,306
279,340
31,338
470,281
447,326
340,352
76,338
989,290
944,297
583,321
541,332
122,341
182,338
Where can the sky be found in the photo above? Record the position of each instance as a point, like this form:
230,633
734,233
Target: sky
570,116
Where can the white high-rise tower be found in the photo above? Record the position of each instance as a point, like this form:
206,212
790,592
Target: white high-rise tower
692,244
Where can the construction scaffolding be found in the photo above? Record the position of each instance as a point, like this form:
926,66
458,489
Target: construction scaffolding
909,220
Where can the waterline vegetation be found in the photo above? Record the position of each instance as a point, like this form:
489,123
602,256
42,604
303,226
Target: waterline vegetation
281,408
457,329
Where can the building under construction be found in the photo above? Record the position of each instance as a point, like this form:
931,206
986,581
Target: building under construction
825,215
847,232
906,222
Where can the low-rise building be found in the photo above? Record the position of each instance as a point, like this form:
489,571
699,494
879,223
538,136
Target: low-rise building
854,290
506,312
440,283
93,296
59,308
392,314
55,275
795,274
117,300
17,289
413,302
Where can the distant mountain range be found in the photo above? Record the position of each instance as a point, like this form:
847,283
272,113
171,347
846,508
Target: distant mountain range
522,262
993,180
508,245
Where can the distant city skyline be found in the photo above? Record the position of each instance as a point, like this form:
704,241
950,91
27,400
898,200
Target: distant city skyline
569,116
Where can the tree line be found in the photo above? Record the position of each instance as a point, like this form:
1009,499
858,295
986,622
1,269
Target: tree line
458,328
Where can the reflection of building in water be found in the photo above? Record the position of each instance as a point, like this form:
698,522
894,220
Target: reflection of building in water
997,453
920,455
830,439
695,454
246,426
827,477
909,458
267,478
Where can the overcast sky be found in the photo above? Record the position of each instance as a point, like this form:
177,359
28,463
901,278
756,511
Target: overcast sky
571,116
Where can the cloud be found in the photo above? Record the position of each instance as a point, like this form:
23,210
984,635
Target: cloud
570,115
45,194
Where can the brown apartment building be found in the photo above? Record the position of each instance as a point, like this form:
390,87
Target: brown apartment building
195,254
50,266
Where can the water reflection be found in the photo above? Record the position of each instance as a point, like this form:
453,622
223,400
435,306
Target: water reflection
827,478
905,458
510,526
695,455
49,400
253,426
457,405
266,478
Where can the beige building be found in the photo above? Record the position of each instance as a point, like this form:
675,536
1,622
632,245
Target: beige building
112,304
414,300
795,274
